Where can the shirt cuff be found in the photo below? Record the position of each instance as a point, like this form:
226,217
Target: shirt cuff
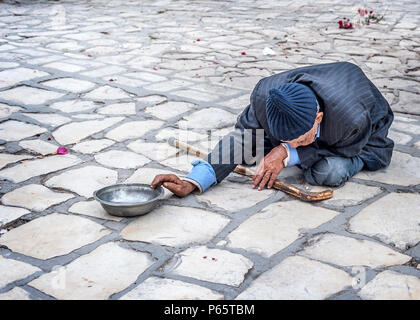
202,174
294,156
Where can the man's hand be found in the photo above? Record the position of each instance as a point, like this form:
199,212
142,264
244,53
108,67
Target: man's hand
174,184
269,168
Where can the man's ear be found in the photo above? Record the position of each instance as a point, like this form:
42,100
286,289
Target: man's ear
319,116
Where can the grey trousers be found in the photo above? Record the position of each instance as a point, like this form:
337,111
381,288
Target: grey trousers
333,171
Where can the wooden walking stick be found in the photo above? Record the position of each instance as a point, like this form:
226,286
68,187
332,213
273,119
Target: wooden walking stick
279,185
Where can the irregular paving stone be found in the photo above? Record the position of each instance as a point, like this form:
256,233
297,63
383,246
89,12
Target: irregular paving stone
106,270
121,159
106,93
129,82
65,46
146,76
13,270
233,196
151,100
210,118
88,116
66,67
391,285
169,110
69,106
401,171
83,36
350,194
154,151
9,214
133,129
167,289
168,86
38,146
6,158
84,181
70,84
406,127
119,108
181,135
15,294
13,76
297,278
76,131
29,95
213,265
52,235
34,197
195,95
8,64
175,226
6,110
38,167
12,130
236,103
345,251
48,118
92,146
281,222
398,137
394,219
407,103
103,71
92,208
180,162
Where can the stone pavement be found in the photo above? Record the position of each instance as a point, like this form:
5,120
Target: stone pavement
112,80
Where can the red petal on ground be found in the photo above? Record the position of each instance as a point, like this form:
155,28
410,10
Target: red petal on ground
243,53
62,150
198,39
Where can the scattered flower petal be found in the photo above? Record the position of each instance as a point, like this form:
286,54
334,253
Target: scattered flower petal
243,53
62,150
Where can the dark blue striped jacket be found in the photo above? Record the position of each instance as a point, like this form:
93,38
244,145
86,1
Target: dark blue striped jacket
355,123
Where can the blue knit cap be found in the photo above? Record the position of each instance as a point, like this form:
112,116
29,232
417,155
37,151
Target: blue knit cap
291,111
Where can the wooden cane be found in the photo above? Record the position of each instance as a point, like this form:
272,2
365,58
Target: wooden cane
279,185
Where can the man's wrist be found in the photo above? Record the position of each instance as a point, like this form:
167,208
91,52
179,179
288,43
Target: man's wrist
192,184
286,155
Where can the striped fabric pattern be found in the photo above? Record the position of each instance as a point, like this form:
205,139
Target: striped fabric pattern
356,116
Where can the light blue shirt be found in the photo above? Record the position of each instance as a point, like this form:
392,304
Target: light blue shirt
203,173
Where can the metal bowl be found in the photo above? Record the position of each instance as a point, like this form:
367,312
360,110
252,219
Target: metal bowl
128,200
